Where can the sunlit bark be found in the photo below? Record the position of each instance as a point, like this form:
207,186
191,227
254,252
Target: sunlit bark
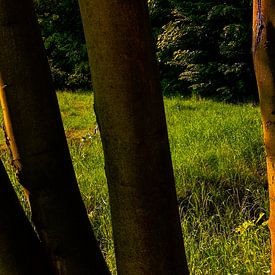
130,113
264,62
36,138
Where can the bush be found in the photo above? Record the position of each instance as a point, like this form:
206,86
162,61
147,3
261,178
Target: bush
204,48
64,41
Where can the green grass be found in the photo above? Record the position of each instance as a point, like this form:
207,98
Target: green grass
219,166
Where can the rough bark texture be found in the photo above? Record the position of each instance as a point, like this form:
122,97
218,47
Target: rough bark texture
130,113
36,137
264,62
21,252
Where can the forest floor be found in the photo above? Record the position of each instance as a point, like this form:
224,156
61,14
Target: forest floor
219,165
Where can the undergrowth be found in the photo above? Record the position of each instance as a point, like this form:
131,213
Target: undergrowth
219,166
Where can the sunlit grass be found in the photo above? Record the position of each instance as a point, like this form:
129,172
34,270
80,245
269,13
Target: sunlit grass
219,166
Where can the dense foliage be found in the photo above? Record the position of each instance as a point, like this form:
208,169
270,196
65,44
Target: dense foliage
64,40
203,47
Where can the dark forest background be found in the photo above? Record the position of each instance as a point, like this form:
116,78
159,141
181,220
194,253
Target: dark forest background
203,47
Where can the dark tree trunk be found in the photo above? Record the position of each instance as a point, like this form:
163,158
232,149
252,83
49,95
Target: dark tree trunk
20,249
36,138
130,113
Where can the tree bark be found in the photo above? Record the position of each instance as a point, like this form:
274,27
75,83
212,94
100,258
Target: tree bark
20,249
37,141
264,63
130,114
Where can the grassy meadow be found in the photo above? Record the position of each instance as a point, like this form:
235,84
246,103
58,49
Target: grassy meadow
219,166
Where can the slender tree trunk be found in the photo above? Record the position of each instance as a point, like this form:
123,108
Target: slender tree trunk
36,137
130,113
264,63
20,250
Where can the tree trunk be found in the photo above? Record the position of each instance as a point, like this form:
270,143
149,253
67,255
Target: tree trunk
264,63
20,249
130,113
36,138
